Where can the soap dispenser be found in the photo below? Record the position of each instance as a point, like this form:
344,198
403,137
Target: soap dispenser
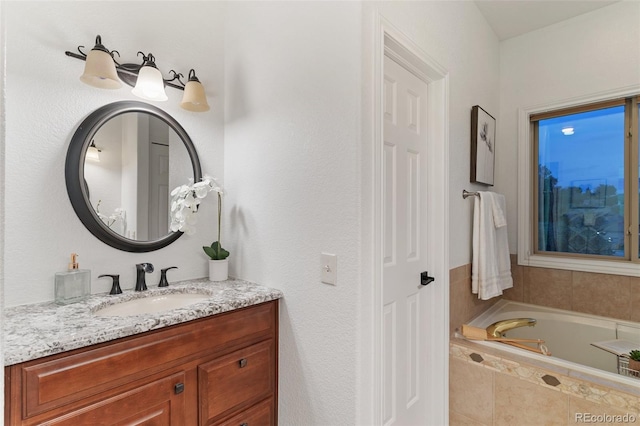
73,285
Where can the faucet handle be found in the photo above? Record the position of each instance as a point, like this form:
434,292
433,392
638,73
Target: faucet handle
163,276
146,267
115,284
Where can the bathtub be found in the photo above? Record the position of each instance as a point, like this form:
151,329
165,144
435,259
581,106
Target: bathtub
569,337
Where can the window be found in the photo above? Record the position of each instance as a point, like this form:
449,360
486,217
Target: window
585,185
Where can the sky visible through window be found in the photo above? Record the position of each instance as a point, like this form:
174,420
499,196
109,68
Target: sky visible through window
593,155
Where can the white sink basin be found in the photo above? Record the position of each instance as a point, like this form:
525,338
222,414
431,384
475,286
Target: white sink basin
151,305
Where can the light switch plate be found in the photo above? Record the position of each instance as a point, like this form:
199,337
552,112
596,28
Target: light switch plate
329,264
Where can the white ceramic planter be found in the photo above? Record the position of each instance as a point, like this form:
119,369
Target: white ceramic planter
219,270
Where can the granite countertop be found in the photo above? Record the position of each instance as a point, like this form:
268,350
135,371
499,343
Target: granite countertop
43,329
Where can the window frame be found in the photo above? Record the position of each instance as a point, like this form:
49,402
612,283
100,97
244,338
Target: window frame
527,200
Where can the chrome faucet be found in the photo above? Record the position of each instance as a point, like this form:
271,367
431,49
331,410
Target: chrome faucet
141,269
497,329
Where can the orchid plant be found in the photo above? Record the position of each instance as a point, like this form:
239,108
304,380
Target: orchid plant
185,200
118,214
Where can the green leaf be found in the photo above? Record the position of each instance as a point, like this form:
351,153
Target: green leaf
210,252
215,252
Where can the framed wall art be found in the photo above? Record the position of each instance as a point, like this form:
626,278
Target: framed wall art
483,144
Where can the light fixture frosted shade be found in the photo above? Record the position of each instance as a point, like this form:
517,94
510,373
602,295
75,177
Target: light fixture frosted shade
150,85
194,98
93,153
100,71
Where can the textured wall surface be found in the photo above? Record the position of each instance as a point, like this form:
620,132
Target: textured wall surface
45,104
548,65
292,171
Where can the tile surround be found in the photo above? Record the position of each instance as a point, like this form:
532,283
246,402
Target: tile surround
471,391
538,402
463,304
601,294
460,420
578,406
515,391
547,287
612,296
519,402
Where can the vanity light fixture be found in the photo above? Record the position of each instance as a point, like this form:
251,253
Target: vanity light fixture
93,153
149,85
102,70
194,98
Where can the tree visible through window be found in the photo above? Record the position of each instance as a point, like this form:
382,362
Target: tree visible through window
584,167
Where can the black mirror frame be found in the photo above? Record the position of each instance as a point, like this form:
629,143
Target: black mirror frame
77,187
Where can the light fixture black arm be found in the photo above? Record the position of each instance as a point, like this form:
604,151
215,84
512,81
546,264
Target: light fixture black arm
129,72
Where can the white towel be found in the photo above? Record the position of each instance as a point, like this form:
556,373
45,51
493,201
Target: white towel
491,267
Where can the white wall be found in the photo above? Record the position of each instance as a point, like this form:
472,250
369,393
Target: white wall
298,171
292,172
592,53
45,102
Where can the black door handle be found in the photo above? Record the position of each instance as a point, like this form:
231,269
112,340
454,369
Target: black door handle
425,279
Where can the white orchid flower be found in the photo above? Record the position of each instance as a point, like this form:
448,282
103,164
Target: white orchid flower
191,219
185,201
201,189
189,200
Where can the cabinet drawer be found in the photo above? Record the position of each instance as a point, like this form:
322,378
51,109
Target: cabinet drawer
236,381
261,414
156,403
63,380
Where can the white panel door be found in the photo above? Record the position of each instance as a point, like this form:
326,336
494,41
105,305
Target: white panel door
158,191
405,330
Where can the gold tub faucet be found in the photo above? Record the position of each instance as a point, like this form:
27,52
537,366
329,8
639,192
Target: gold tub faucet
497,329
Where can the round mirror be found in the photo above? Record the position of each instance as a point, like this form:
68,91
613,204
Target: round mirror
123,161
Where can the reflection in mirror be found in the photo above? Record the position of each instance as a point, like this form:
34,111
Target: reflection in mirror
123,199
140,159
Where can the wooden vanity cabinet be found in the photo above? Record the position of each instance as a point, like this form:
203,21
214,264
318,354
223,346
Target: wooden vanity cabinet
220,370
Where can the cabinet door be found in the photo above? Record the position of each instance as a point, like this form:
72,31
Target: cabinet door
236,381
158,403
260,414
